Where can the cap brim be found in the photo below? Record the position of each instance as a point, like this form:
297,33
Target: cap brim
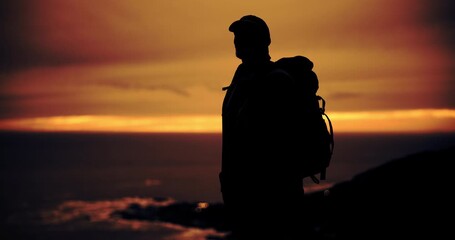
241,25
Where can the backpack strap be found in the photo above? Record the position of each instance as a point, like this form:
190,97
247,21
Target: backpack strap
315,179
332,140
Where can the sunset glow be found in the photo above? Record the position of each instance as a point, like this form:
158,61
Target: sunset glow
159,66
116,124
380,121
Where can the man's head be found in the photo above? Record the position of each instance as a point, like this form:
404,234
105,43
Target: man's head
252,37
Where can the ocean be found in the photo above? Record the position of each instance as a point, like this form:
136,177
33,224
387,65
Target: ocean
68,185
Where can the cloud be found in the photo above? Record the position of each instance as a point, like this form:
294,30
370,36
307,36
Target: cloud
181,87
195,234
160,57
97,211
135,86
440,20
344,95
439,17
106,216
58,33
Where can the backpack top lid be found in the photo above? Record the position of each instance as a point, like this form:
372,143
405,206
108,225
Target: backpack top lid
301,69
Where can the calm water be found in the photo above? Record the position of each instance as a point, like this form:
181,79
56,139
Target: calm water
42,172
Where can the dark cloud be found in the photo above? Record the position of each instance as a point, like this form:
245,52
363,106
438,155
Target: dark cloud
12,24
17,49
441,18
33,35
345,95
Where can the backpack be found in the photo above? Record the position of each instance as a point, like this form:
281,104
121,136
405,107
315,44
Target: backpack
318,138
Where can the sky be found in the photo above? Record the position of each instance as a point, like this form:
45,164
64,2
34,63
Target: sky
159,66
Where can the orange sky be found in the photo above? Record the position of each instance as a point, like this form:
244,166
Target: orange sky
160,65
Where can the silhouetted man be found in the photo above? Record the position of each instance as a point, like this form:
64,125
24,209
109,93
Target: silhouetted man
260,183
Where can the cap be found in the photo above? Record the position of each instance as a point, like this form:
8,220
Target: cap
253,26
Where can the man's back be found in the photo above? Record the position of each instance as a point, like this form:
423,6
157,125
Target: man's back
259,179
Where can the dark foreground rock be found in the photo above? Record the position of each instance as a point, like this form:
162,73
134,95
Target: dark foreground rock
404,198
